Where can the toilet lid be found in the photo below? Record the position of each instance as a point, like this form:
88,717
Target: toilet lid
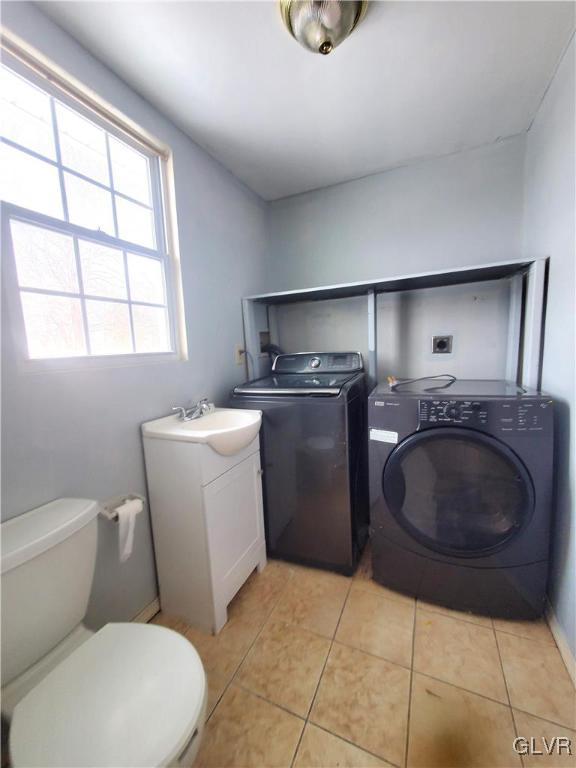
131,695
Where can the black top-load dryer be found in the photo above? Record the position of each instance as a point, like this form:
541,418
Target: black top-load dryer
314,451
461,493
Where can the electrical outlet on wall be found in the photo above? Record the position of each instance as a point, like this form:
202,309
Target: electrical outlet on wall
239,354
442,345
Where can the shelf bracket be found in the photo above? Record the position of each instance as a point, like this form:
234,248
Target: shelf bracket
372,337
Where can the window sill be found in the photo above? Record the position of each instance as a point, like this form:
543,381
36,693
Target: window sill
95,362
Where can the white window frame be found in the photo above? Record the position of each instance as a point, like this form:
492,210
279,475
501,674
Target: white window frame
52,82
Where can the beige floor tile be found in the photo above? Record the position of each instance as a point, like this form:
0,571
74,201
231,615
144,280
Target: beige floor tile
248,731
318,576
220,660
364,700
363,581
313,600
459,652
369,585
452,728
554,755
320,749
222,654
284,666
484,621
378,625
537,679
531,630
262,590
171,622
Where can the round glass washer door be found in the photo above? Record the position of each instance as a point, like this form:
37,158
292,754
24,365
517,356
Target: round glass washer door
458,491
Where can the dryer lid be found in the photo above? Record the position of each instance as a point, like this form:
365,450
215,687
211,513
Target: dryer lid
131,695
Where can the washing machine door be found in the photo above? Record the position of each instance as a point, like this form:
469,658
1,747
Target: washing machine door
458,491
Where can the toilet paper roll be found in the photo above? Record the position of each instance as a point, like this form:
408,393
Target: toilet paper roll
126,523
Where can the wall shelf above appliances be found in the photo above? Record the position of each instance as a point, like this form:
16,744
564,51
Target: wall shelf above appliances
527,280
459,275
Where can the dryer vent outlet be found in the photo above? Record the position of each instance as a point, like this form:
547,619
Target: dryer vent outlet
441,345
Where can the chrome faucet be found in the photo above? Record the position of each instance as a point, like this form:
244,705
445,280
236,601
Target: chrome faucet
197,410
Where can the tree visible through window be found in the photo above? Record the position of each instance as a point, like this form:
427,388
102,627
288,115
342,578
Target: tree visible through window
83,207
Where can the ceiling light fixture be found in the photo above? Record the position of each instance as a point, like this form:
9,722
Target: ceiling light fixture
321,25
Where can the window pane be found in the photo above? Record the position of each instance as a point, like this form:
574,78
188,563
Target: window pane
25,114
146,278
88,205
54,325
130,171
109,328
82,144
29,182
102,270
135,223
44,258
151,330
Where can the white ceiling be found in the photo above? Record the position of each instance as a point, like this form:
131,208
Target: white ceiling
415,80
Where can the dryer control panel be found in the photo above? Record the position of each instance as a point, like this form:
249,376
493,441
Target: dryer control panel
513,415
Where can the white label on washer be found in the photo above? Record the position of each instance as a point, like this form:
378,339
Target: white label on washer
383,436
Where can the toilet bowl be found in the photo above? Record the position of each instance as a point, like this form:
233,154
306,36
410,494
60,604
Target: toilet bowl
127,695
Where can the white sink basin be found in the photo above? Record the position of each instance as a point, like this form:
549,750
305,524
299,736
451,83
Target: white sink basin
226,430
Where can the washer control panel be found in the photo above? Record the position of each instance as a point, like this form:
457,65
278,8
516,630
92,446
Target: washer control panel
319,362
514,415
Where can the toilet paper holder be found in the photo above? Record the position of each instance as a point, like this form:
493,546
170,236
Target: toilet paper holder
109,508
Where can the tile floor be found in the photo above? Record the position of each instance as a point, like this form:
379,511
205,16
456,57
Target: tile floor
315,669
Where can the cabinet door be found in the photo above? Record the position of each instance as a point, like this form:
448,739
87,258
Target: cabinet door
235,525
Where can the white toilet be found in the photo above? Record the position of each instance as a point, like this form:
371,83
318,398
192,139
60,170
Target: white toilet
128,695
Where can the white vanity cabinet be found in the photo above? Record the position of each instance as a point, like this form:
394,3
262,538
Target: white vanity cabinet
207,523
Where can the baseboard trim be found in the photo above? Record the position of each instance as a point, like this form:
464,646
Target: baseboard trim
561,641
148,613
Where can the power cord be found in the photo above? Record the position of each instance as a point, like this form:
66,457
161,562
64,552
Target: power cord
450,379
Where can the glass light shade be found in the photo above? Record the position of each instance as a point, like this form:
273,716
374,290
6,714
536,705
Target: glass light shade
321,25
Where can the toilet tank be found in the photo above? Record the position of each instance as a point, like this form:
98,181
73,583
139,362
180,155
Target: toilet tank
47,564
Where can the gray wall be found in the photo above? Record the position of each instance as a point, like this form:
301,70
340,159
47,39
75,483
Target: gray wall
550,207
476,315
452,211
76,433
340,325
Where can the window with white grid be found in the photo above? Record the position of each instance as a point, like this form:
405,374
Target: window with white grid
83,215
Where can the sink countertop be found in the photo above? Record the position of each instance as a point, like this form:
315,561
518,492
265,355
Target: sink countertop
226,430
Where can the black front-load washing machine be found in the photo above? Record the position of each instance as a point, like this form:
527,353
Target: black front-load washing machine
461,494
